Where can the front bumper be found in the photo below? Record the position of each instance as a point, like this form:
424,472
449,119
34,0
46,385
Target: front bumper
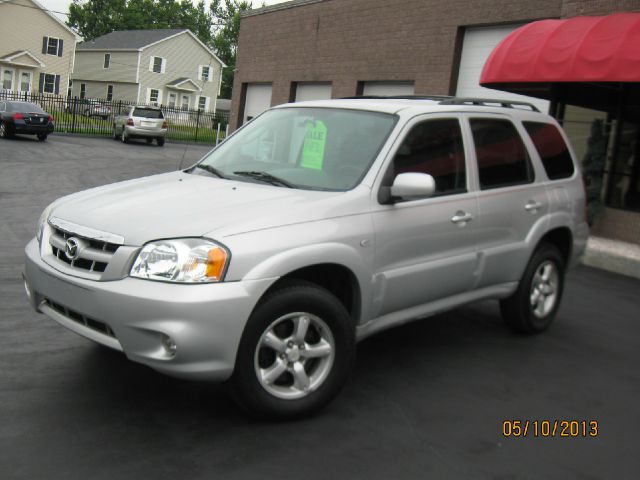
133,315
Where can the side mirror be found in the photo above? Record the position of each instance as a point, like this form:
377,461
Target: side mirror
413,184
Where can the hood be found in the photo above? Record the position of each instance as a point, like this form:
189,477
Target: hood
178,204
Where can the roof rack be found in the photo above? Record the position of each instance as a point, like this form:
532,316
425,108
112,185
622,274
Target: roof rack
448,100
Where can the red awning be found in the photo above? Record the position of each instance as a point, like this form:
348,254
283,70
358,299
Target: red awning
579,49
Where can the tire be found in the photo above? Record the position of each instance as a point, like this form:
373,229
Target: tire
123,136
160,141
533,306
42,137
300,384
4,131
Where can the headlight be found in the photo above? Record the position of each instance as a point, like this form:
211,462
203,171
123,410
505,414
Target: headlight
185,260
42,222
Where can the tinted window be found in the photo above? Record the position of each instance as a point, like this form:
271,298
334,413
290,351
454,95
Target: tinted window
502,157
434,147
552,149
23,107
147,113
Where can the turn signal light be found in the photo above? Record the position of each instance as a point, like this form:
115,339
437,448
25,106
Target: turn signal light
216,260
165,124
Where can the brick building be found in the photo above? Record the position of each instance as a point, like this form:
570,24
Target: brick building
313,49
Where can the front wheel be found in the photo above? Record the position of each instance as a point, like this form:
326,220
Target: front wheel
4,131
533,306
296,353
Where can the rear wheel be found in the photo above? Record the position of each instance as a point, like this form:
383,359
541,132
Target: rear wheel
160,141
533,306
296,353
42,137
3,131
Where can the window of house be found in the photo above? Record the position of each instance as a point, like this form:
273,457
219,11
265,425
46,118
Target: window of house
185,102
202,103
53,46
107,60
109,92
205,72
435,147
70,88
172,100
83,90
157,64
552,149
49,83
501,154
154,95
7,79
25,82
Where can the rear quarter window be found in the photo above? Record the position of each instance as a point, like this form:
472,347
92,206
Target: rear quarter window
552,149
147,113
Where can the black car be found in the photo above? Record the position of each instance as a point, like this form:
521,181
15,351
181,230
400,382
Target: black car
24,117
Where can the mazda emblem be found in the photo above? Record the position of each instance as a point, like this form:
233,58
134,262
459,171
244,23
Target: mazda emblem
72,248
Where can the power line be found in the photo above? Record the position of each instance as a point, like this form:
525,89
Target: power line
12,2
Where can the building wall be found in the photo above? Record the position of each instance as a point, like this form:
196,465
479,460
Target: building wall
183,56
98,89
22,26
90,66
347,41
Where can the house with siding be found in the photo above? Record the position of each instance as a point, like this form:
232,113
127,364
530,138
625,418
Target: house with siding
36,49
170,67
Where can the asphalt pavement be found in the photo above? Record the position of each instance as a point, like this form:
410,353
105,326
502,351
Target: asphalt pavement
427,400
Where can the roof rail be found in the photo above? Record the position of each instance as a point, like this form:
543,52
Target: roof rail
448,100
488,102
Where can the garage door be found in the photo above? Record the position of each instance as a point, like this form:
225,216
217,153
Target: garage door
313,91
258,99
388,88
476,48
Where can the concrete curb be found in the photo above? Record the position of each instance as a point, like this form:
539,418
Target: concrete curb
613,256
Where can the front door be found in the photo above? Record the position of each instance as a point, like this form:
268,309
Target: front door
425,248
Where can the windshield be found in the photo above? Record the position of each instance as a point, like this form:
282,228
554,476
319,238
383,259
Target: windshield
299,147
23,107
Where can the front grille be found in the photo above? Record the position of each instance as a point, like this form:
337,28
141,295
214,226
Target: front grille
94,255
81,319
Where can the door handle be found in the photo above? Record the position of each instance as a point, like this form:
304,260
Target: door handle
462,217
532,206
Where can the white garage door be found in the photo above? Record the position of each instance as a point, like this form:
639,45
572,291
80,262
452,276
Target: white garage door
388,88
258,99
313,91
478,45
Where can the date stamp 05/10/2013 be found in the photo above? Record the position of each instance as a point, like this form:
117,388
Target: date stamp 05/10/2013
550,428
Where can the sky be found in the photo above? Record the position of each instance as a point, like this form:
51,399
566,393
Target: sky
63,5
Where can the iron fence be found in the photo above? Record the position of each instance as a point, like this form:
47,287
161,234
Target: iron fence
82,116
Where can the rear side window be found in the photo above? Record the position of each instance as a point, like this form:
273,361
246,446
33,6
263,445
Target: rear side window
502,157
435,147
147,113
552,149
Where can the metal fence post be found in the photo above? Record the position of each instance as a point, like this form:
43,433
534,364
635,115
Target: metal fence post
73,117
195,139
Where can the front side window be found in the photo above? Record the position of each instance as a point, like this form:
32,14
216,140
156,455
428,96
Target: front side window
502,157
552,149
435,147
308,148
107,60
49,83
7,79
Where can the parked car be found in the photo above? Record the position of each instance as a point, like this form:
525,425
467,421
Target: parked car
314,226
94,108
24,118
141,122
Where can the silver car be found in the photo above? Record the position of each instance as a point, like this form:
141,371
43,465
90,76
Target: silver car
312,227
142,122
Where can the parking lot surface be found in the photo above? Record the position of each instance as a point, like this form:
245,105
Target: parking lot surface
427,400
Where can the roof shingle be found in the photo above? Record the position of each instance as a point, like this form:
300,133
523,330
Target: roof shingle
125,39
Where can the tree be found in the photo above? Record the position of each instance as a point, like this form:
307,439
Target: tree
226,30
94,18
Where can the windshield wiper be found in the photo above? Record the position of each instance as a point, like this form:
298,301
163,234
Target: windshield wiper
210,169
265,177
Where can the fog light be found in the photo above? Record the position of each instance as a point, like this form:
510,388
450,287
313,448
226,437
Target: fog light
169,345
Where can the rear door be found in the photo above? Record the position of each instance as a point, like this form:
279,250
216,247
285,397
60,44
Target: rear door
426,248
148,118
511,200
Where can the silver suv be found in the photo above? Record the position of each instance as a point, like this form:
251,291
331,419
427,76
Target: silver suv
316,225
143,122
